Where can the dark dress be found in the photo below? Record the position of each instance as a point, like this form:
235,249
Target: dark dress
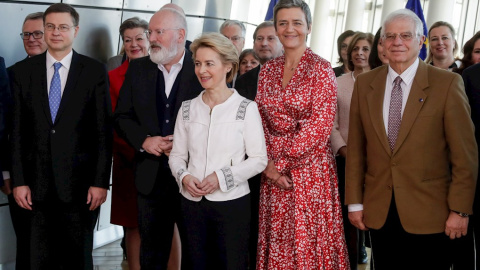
124,193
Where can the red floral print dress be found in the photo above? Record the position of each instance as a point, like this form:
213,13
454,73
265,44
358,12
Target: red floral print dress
300,228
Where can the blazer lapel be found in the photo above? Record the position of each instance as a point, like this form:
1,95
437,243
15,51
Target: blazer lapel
375,106
415,101
41,65
73,74
149,97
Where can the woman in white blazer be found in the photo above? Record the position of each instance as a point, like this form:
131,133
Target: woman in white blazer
214,134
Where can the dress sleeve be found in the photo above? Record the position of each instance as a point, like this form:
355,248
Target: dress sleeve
314,133
336,137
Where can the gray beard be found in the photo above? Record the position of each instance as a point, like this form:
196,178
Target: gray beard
164,55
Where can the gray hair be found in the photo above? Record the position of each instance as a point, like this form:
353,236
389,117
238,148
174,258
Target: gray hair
181,19
293,4
234,22
261,26
404,14
34,16
131,23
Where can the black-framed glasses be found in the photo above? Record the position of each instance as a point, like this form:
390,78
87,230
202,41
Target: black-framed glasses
61,27
35,34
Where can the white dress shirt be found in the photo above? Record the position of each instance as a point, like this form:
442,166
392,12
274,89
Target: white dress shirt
169,77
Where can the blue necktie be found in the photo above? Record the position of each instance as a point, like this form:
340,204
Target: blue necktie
55,94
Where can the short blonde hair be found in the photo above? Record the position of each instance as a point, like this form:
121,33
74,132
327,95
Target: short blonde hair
221,45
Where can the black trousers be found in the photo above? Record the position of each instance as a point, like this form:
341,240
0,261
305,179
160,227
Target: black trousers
62,236
393,248
157,214
215,234
254,184
351,232
21,219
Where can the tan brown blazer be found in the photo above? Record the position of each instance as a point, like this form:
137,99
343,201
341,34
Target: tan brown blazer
433,168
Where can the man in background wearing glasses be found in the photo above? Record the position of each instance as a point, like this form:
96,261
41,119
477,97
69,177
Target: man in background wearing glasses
61,144
235,31
32,34
34,44
412,158
151,95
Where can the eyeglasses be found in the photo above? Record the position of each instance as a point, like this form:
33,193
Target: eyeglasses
407,36
159,31
35,34
61,27
234,38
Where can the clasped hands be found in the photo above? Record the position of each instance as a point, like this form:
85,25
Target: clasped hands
274,177
158,145
197,188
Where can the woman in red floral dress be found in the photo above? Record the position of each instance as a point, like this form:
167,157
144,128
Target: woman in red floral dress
300,215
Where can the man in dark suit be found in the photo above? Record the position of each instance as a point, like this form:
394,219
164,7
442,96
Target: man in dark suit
149,100
34,44
412,159
266,46
471,81
5,105
61,145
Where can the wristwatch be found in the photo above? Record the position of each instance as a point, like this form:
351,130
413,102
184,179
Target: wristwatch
460,213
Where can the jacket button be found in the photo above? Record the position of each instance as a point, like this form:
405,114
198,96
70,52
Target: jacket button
52,131
389,187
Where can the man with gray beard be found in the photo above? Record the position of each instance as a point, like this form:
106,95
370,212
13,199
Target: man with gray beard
151,95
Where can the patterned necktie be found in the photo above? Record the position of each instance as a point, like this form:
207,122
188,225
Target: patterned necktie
395,113
55,94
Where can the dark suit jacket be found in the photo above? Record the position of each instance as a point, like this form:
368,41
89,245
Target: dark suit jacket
433,168
5,106
471,79
246,85
136,113
73,153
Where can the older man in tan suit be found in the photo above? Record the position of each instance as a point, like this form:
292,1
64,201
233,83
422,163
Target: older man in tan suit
412,157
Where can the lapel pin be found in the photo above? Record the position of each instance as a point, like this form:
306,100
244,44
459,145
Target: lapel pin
421,100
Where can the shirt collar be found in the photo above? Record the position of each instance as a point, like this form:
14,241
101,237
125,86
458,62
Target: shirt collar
179,64
407,76
66,61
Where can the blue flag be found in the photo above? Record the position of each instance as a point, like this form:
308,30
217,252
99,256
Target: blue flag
269,15
416,7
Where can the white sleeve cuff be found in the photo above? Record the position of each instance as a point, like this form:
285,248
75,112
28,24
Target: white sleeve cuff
355,207
6,174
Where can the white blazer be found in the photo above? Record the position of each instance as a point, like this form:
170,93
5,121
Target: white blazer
218,141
